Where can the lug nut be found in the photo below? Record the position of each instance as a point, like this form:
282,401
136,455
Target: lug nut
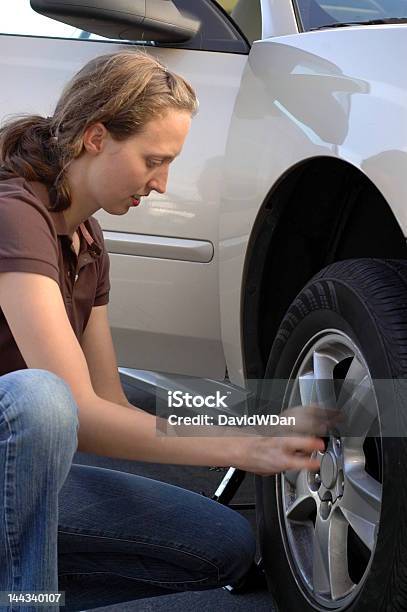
325,508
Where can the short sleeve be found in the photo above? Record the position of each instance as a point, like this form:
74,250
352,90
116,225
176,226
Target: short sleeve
103,282
28,240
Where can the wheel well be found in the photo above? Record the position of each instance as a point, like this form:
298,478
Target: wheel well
324,211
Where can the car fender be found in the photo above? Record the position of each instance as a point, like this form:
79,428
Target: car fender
338,93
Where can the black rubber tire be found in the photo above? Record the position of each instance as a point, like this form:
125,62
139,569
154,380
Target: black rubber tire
367,300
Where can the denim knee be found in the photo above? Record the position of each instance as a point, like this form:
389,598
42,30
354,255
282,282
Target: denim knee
40,402
236,545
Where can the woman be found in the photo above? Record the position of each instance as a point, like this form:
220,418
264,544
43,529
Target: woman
116,128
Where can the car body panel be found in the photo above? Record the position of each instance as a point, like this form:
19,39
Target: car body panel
326,93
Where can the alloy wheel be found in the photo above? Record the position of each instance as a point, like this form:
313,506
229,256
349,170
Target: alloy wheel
330,519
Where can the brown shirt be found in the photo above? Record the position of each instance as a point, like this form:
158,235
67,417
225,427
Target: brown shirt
35,239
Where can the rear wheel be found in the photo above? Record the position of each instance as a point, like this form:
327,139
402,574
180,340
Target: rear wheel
336,540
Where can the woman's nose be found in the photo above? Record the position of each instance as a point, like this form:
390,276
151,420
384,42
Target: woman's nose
159,182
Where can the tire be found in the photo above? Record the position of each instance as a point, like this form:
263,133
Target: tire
359,306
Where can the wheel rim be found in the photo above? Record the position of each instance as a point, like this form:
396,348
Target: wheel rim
331,519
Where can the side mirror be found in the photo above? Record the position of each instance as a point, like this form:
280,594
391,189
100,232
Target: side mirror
155,20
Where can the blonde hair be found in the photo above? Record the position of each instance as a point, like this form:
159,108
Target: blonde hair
123,90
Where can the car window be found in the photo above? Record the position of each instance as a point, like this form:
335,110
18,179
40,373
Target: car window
217,32
246,14
228,5
319,13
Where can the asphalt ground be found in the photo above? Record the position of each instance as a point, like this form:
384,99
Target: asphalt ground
199,479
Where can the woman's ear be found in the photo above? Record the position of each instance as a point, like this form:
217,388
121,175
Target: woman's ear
94,138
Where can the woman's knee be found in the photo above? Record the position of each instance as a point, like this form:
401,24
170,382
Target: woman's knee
237,549
39,401
225,538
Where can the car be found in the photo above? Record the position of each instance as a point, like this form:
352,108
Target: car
278,252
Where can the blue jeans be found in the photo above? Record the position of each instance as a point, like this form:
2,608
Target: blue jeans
102,536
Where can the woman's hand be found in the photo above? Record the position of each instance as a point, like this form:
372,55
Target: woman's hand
288,447
272,455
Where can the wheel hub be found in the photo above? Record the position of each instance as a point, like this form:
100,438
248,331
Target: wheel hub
329,470
330,480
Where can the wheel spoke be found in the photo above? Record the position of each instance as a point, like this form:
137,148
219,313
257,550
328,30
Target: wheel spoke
306,383
291,476
324,363
304,504
361,503
360,409
330,558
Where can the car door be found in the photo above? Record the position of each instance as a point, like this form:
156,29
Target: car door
164,307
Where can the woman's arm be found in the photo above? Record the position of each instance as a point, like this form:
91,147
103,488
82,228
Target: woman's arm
35,312
97,346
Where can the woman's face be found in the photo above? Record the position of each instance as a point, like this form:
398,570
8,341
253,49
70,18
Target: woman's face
116,171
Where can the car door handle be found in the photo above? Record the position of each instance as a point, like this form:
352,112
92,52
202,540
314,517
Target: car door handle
162,247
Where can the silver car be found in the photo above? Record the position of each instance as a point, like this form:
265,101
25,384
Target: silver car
277,253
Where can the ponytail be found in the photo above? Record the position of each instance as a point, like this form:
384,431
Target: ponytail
28,149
